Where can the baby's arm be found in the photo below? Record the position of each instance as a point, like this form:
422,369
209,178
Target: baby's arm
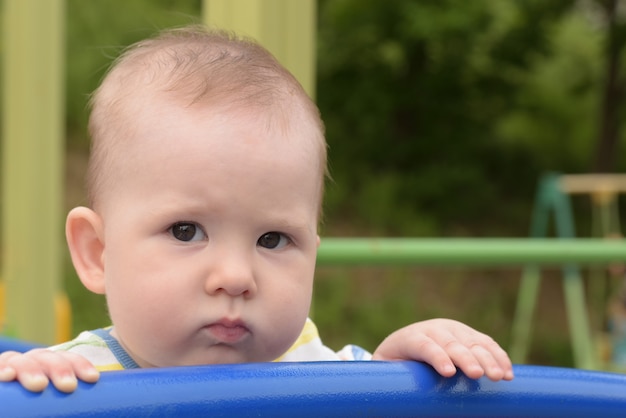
446,344
34,369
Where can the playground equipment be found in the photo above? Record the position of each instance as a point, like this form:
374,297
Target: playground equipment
332,389
552,201
328,389
33,90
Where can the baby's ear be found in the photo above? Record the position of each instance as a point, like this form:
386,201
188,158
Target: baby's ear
85,239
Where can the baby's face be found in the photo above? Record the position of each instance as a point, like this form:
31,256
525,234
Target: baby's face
210,237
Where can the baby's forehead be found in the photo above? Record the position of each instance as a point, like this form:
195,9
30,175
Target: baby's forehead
194,142
147,112
146,79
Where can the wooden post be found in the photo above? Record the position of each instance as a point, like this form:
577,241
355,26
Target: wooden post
32,161
287,28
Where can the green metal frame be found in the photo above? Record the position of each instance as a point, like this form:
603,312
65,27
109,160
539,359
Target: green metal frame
469,251
531,253
552,201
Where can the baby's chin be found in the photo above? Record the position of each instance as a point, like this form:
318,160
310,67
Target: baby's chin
221,355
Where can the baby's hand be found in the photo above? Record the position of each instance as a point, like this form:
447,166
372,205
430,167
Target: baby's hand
444,344
36,368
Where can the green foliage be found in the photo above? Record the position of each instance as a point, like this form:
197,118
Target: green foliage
451,110
97,31
559,106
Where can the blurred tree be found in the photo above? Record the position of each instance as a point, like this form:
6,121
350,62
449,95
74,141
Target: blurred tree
441,115
613,18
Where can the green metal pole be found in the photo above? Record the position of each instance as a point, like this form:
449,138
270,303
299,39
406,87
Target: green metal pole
524,311
32,161
573,287
468,252
531,275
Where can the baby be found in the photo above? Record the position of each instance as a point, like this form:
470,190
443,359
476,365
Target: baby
205,186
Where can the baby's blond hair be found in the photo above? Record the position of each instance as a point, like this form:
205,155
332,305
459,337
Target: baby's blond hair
194,65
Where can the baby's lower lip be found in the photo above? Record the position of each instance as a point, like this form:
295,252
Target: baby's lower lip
227,333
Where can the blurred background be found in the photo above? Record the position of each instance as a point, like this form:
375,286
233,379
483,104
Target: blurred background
441,118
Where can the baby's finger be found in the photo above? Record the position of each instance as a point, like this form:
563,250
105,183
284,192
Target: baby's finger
496,354
59,367
28,372
83,369
491,368
7,373
482,353
493,360
436,356
463,357
423,348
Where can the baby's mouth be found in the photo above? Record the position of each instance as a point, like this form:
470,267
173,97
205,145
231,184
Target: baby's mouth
228,331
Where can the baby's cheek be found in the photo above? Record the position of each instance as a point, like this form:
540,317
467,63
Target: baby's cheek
289,330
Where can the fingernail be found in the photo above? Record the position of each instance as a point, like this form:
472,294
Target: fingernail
38,380
92,374
449,369
67,381
7,373
497,370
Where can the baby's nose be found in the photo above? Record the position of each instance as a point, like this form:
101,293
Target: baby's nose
233,276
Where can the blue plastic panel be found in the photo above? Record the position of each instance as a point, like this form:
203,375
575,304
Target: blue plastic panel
12,344
326,389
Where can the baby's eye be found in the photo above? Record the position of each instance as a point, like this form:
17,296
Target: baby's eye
187,231
273,240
